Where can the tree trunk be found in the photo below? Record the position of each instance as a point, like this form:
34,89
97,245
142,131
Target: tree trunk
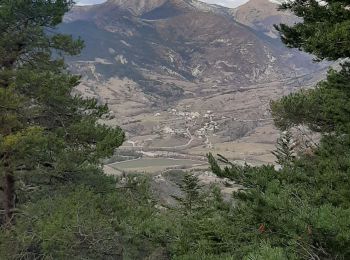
9,198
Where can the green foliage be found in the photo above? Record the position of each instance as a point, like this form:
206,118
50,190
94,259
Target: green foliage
324,30
46,133
286,208
323,109
214,166
85,222
191,189
285,149
266,252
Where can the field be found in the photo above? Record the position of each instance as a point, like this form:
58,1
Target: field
154,164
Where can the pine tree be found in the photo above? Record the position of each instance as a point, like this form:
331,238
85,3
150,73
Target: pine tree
324,33
191,189
284,152
324,30
214,166
303,210
47,134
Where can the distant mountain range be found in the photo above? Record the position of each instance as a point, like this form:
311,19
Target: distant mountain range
146,57
184,39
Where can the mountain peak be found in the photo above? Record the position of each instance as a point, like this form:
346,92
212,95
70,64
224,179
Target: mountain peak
139,7
262,15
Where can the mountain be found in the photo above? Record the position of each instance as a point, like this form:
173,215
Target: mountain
183,74
261,15
184,39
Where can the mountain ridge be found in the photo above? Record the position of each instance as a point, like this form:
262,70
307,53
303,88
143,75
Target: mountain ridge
185,21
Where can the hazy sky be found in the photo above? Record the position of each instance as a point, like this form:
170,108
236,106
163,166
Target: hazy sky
228,3
89,2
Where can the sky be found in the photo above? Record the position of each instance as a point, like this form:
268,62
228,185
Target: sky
227,3
89,2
